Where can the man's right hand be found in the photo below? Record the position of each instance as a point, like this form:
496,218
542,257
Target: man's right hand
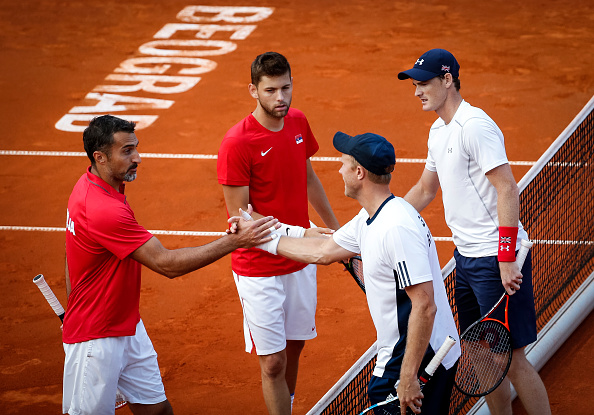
250,233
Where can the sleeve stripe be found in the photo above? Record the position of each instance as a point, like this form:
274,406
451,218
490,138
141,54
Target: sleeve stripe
402,273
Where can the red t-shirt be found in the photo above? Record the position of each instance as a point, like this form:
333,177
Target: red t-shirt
273,165
101,232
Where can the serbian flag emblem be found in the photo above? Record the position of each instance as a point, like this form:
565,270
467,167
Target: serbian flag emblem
299,139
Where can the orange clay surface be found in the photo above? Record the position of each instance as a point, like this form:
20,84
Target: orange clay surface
528,64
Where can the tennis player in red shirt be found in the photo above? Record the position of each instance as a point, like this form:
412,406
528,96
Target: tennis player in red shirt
107,347
264,160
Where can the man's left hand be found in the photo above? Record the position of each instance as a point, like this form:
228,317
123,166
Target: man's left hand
511,277
410,395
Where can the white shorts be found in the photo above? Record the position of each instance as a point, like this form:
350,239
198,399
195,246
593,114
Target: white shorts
94,369
277,309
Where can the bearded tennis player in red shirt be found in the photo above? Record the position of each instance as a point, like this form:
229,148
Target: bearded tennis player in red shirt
107,347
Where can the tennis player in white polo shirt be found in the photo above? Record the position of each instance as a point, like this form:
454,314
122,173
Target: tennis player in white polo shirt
405,290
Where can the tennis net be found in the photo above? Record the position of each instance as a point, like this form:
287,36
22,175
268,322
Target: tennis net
556,199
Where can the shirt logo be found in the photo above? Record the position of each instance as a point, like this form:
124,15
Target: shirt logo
422,221
450,150
419,62
265,152
299,139
69,223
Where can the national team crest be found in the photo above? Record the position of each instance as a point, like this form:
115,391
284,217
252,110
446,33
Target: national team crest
299,139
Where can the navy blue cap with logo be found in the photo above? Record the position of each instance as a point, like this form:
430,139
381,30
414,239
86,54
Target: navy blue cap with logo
432,63
372,151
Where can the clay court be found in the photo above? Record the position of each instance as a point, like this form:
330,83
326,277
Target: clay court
527,64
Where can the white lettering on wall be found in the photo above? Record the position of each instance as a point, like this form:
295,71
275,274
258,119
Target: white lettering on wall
76,123
204,31
137,65
169,65
195,14
150,83
188,47
109,103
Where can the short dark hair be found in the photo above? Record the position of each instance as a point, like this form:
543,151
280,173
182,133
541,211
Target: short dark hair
98,136
373,178
269,64
456,82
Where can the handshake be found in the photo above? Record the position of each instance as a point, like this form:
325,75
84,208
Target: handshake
278,229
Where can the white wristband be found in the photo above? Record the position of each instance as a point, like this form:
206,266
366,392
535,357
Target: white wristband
246,216
292,231
270,246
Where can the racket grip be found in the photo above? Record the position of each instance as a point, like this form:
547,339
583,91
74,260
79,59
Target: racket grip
49,295
523,252
438,358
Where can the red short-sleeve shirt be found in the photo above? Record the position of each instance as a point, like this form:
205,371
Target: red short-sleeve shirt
101,233
273,165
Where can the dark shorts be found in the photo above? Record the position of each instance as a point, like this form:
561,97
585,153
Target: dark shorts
437,391
478,288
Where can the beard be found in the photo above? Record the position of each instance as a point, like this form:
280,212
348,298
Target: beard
129,177
276,113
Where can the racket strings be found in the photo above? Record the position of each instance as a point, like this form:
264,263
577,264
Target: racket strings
357,265
486,355
120,400
392,408
385,411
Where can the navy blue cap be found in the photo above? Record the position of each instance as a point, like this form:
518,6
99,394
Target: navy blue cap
433,63
372,151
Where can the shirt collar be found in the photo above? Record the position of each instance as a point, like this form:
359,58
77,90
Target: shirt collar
459,111
106,187
370,220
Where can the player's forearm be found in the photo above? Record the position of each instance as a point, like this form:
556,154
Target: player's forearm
420,326
178,262
419,197
508,195
424,191
318,199
173,263
307,250
508,205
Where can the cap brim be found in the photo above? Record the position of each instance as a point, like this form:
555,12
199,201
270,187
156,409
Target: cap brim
417,75
343,142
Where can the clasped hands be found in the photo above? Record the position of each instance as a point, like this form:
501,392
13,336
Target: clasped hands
270,229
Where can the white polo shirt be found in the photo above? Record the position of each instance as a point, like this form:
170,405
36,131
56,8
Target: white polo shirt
397,251
461,153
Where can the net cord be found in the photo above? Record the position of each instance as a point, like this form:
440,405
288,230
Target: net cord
555,146
344,380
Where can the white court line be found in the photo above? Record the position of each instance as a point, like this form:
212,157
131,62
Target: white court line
174,156
154,232
198,156
195,233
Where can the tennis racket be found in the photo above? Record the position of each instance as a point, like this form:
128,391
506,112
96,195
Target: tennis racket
486,346
423,379
53,301
355,267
